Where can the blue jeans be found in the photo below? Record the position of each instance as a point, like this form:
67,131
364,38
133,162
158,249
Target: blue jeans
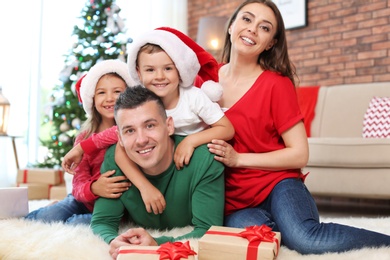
68,210
291,210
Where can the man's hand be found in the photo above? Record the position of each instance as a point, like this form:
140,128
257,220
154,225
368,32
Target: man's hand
134,236
116,243
110,187
72,159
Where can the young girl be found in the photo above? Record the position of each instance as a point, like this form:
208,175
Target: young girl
98,92
167,62
264,182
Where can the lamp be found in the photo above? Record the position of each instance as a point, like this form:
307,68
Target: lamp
211,33
4,113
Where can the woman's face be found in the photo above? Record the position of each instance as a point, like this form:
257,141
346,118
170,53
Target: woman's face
253,30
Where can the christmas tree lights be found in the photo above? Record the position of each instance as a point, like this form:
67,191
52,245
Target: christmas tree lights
100,35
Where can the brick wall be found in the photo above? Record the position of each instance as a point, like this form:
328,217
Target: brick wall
346,41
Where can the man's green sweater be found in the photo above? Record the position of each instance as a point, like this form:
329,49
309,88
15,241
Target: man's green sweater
194,196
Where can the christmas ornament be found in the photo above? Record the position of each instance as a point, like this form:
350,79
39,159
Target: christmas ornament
100,39
63,138
76,123
64,127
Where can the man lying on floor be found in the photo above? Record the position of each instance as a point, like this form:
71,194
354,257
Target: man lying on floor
194,195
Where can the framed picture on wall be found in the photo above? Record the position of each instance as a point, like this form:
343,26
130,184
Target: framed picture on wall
294,13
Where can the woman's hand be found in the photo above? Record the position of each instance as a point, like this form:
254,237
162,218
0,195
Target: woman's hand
224,152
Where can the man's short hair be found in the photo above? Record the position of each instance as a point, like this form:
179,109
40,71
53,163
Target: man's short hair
136,96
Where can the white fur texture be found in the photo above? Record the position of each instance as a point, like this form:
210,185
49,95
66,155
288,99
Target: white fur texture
20,239
213,90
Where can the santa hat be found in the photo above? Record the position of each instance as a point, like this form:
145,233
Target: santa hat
86,85
190,59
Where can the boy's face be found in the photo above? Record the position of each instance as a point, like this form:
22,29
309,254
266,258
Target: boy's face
145,135
158,73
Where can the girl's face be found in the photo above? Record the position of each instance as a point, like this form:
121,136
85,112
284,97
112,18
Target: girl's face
107,91
253,30
159,74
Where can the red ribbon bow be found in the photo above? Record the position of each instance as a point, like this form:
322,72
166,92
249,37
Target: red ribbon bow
175,250
255,235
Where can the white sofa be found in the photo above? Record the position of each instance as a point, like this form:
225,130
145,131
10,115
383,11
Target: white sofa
341,162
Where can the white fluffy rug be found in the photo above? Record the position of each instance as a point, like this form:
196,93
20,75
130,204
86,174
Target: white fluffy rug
20,239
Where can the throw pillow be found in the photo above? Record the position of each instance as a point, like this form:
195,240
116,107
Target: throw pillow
376,122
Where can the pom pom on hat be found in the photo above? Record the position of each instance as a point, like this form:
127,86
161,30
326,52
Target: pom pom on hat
212,89
86,85
190,58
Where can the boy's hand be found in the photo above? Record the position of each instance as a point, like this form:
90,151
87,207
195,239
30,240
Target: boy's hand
153,199
183,154
110,187
72,159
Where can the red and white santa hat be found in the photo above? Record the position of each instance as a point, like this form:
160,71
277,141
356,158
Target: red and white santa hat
190,59
86,85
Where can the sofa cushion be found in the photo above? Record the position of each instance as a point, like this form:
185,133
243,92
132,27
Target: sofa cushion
376,122
348,182
340,109
349,152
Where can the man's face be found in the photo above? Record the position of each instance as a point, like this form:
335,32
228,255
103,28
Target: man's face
145,135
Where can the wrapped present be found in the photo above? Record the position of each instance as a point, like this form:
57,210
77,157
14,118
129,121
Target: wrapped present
252,243
58,192
37,191
14,202
166,251
40,175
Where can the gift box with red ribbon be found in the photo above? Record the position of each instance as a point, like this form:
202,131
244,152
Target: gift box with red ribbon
251,243
166,251
37,191
40,175
58,192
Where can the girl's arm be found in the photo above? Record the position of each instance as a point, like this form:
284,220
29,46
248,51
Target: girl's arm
82,182
222,130
89,183
91,146
100,141
152,197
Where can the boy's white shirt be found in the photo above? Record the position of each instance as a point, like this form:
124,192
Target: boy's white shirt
194,112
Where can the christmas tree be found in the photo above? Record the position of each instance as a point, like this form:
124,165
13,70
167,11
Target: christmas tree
99,36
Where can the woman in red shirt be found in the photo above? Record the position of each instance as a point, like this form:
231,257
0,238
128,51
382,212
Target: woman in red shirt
264,182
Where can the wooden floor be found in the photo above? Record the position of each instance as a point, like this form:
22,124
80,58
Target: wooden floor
331,206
